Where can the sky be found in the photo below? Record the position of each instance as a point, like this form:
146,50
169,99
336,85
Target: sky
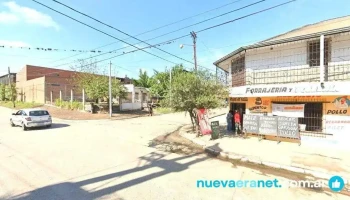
26,24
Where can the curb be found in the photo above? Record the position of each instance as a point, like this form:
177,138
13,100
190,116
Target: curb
241,158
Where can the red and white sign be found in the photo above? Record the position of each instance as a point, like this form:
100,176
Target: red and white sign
288,110
204,123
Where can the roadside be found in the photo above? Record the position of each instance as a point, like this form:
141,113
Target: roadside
19,105
175,143
317,162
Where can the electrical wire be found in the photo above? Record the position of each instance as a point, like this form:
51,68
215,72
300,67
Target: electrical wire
163,26
101,31
174,39
112,27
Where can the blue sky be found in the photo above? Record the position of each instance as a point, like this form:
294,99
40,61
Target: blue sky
25,23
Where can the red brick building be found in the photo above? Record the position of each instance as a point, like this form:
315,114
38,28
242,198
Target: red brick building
36,84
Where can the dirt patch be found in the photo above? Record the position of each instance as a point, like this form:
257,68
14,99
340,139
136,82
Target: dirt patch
174,143
79,115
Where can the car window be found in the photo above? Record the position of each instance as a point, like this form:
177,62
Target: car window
19,112
24,113
38,113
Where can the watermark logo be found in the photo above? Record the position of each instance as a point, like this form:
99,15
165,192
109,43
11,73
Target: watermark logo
336,183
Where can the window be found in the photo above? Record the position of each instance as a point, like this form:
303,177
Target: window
144,97
313,52
136,96
38,113
237,64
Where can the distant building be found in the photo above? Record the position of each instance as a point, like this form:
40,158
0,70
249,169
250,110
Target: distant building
5,78
137,98
37,84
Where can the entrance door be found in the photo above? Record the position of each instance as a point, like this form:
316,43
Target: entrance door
240,107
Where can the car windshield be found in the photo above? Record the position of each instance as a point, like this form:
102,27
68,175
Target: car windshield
38,113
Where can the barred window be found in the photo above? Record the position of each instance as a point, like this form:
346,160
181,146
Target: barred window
313,52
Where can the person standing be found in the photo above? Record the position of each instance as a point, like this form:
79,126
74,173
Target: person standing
237,119
150,109
229,119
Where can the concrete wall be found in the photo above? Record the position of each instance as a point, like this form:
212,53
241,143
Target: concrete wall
130,106
288,63
32,90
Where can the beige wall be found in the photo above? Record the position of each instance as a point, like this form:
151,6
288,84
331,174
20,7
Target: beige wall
32,90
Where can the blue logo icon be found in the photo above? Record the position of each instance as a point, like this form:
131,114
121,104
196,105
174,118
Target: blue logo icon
336,183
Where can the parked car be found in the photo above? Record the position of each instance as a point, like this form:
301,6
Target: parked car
28,118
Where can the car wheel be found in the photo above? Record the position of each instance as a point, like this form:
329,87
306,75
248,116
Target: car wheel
48,126
12,124
24,127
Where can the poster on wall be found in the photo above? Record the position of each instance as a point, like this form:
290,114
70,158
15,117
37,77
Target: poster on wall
203,119
288,110
338,106
259,105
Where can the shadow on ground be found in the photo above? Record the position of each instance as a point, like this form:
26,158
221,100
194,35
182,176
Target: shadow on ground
74,190
53,126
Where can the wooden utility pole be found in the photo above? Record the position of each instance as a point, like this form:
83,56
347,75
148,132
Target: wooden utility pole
110,89
194,37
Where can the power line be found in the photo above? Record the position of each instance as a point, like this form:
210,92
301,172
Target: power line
163,26
160,35
172,40
171,31
48,49
270,8
101,31
112,27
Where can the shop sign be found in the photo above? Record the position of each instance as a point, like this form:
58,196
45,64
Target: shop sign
265,90
203,119
259,105
316,89
341,105
288,110
238,99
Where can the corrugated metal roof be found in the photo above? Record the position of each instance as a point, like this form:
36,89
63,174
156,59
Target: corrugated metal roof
274,42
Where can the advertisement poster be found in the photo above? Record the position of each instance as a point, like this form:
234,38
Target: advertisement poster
288,110
259,105
338,106
204,123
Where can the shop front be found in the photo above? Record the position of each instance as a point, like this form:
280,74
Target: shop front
323,112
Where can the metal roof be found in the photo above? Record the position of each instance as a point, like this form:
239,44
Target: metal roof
275,42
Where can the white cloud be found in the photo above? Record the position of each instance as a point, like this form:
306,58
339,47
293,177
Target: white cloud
14,43
27,15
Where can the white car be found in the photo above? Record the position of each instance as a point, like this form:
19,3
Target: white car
28,118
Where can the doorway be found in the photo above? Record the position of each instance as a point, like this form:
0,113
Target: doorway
240,107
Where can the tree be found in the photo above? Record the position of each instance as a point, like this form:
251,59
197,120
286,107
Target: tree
95,82
2,92
144,80
11,93
194,90
161,80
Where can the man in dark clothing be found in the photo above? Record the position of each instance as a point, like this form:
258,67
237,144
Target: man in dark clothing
150,109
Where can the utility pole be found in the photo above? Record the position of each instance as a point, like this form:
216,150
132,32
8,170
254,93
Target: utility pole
110,89
171,69
10,87
194,37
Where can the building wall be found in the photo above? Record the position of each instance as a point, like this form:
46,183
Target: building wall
287,63
32,90
5,80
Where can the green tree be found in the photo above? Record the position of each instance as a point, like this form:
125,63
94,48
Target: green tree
144,80
11,93
161,80
2,92
95,82
195,90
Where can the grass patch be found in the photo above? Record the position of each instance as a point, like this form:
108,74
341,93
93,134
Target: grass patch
162,110
75,105
20,105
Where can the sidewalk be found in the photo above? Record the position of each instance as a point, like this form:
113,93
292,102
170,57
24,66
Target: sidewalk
320,162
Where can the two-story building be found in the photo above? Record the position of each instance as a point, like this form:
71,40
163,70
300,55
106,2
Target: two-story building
303,73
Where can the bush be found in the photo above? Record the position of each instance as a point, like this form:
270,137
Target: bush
75,105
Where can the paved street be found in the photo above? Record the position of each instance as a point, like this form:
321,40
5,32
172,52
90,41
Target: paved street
105,159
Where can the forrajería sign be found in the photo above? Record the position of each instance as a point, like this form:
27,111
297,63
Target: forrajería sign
269,90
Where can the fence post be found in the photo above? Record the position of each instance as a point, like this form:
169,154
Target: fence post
51,97
71,97
83,99
60,98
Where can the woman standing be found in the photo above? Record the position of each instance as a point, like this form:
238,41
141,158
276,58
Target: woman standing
229,120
